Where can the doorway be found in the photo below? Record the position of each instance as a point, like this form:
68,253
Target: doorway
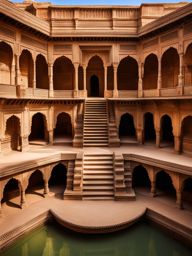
94,86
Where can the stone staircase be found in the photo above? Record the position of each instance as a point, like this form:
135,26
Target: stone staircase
95,130
98,178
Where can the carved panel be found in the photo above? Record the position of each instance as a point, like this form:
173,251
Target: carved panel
62,14
95,14
127,13
31,41
7,32
150,43
188,29
62,48
169,36
132,47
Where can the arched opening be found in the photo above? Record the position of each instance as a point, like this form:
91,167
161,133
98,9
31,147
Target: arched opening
12,133
26,68
58,180
63,74
36,184
63,129
149,130
167,138
39,132
188,66
127,132
164,186
42,80
94,86
170,68
11,194
140,179
110,78
95,77
80,78
127,74
187,193
150,72
6,58
186,132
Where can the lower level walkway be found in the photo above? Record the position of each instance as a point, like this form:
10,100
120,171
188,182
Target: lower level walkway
93,214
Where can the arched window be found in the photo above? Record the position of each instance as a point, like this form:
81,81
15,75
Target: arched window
26,68
6,58
150,72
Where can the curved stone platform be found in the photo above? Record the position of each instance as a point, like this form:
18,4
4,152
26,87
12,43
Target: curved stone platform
98,217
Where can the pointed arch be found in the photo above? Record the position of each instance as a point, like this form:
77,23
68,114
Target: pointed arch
150,72
13,133
95,77
127,74
170,68
6,59
63,74
26,68
42,80
39,131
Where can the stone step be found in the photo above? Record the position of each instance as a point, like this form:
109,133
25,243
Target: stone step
98,162
98,167
98,176
98,182
96,157
96,193
98,188
99,172
95,144
99,198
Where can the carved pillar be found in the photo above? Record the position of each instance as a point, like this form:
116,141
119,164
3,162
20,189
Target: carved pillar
23,198
50,74
24,143
105,81
177,144
75,92
85,80
179,199
13,75
17,70
159,78
180,76
46,188
140,82
50,137
158,138
34,77
140,135
115,90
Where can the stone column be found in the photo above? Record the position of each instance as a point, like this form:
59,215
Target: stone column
153,188
46,188
140,82
50,137
13,75
140,135
105,81
159,78
50,74
85,81
17,70
115,90
179,199
24,143
75,92
23,198
177,144
34,77
158,138
180,76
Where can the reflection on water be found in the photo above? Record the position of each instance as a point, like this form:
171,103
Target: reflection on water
139,240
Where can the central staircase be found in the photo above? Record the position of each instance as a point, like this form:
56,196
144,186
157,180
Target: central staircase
95,129
98,178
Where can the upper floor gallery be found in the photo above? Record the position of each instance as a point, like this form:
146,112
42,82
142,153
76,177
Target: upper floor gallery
69,52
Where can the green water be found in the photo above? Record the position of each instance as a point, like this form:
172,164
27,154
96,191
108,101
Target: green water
140,240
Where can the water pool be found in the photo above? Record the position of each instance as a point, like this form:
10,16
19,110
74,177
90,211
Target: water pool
140,240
